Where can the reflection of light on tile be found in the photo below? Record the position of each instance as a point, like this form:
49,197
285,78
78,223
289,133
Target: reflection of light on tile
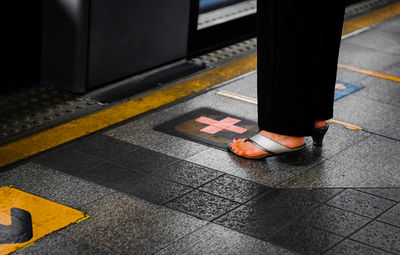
340,86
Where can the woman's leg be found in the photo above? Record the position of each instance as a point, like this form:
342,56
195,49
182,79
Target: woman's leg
293,40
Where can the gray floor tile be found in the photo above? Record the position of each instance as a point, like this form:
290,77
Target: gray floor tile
373,116
155,189
128,225
337,139
378,154
288,203
332,174
391,25
392,216
68,161
377,39
188,173
144,160
53,185
202,205
254,222
111,175
381,90
234,188
245,87
103,146
349,247
335,220
216,240
269,172
350,76
57,244
393,70
304,239
361,203
366,58
388,193
380,235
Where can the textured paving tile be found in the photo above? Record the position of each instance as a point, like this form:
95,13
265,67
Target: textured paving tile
68,161
214,239
246,86
363,57
378,154
155,190
202,205
388,193
361,203
127,225
337,139
372,115
304,239
111,175
381,90
53,185
391,25
349,247
254,222
287,203
188,173
380,235
234,188
393,70
392,216
57,244
144,160
331,174
103,146
387,42
350,76
335,220
263,172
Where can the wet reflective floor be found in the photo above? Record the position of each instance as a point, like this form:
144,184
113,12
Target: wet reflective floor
154,192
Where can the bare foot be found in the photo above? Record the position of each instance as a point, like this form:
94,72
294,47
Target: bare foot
247,149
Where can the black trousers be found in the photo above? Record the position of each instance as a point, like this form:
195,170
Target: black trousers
298,48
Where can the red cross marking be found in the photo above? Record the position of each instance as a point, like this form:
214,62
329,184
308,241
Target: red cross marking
216,126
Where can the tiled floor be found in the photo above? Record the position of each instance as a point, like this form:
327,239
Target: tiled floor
152,193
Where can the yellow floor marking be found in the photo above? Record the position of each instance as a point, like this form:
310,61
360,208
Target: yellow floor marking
371,73
347,125
237,96
37,143
29,146
254,101
371,18
47,216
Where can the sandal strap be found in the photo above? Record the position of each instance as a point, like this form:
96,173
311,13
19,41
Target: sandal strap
271,146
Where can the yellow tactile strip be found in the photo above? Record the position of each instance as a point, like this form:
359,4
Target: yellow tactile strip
37,143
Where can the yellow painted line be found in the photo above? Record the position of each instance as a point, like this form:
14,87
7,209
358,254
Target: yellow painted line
371,73
40,142
371,18
45,140
254,101
45,217
84,218
237,96
347,125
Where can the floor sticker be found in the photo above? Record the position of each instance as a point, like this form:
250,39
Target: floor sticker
25,218
209,127
344,89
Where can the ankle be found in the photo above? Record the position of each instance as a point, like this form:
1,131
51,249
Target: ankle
320,123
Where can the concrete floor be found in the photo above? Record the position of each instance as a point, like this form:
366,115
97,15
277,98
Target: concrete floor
152,193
